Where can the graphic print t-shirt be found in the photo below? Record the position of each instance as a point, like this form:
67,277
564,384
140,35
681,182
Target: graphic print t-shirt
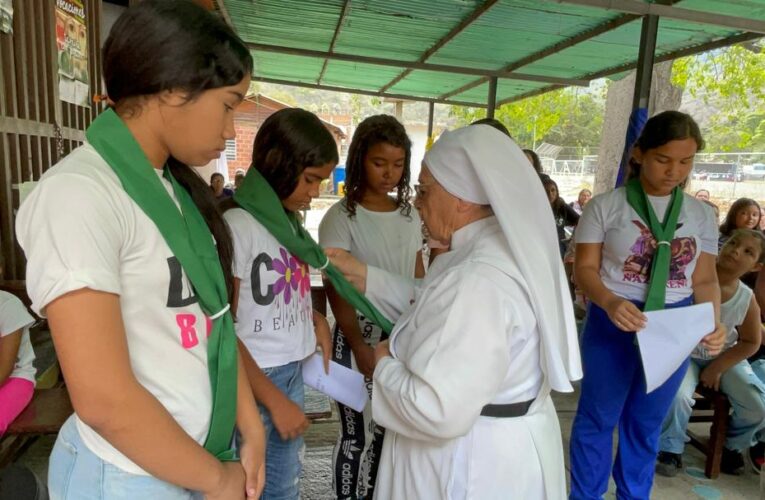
386,240
274,312
629,246
80,229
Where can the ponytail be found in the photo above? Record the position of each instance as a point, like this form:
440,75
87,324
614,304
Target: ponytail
203,198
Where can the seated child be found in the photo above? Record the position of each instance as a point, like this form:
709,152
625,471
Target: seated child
17,374
730,371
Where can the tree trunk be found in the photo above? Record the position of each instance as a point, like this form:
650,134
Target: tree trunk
664,96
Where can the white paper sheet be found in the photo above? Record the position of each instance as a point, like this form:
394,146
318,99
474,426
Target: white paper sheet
344,385
669,337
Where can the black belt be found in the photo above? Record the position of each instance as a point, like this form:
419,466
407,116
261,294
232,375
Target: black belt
507,411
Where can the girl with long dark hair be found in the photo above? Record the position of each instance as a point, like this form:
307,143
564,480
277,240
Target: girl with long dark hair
130,260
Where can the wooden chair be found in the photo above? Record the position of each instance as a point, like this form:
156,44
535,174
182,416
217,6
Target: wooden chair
710,406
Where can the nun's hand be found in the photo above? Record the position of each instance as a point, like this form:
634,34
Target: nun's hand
625,315
382,350
353,269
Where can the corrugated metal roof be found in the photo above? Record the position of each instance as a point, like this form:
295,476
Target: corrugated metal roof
294,37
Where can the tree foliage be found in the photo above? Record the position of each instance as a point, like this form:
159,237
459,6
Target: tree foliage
568,117
730,83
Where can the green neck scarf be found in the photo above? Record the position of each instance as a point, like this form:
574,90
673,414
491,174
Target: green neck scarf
258,198
663,233
190,240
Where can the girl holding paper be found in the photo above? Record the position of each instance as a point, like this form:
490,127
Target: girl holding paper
383,231
642,247
276,324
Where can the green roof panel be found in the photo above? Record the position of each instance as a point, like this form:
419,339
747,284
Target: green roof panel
503,34
415,25
431,83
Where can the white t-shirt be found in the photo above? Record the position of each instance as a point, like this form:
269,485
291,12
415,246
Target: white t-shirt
732,314
387,240
274,313
628,245
80,229
14,316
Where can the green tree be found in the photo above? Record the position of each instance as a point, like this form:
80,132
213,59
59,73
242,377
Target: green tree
568,117
731,83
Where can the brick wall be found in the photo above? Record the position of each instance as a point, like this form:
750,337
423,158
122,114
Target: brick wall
248,118
245,136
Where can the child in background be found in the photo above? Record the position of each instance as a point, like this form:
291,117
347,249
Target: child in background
564,215
730,371
585,195
384,231
17,373
743,214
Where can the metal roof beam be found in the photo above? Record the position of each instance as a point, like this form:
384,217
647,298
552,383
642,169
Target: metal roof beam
478,12
717,44
440,68
558,47
552,49
224,12
340,21
574,40
670,12
492,98
372,93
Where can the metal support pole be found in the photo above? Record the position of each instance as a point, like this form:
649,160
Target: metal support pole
431,110
645,62
492,100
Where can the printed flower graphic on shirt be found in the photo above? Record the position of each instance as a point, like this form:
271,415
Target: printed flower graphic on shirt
290,275
305,278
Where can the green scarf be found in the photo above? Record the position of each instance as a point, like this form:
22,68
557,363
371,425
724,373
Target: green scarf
663,233
190,240
258,198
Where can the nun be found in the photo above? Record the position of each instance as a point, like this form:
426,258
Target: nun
463,385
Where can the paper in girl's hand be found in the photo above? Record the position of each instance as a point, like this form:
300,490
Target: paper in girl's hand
669,337
342,384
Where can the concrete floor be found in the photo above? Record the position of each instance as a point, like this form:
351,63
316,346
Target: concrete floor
320,438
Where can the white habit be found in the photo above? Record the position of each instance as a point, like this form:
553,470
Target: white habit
490,324
469,340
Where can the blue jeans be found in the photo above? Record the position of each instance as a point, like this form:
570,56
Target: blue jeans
283,458
614,394
758,367
746,394
76,473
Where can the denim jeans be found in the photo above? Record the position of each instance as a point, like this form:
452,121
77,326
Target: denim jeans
76,473
283,458
746,393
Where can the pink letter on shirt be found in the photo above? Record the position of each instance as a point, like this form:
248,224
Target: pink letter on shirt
188,333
